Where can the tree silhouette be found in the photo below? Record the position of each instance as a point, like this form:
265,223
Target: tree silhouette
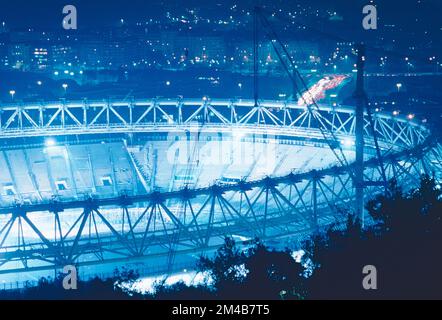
402,244
224,267
272,274
255,273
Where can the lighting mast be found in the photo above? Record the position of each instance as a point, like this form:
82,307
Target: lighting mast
255,55
359,133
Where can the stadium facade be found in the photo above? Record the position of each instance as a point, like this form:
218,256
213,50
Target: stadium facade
160,181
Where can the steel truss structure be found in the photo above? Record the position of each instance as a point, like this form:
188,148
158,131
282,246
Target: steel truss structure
164,225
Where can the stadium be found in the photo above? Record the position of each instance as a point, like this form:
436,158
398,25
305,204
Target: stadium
157,182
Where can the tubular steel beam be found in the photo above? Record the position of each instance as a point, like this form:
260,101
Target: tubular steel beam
188,221
269,211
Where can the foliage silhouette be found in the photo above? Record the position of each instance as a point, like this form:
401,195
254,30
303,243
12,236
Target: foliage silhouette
402,243
256,273
93,289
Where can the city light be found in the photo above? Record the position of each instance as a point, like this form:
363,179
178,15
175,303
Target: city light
50,142
272,129
348,142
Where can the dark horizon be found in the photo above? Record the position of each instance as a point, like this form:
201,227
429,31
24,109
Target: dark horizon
46,13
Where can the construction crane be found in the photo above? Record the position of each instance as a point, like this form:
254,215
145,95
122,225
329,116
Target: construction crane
302,92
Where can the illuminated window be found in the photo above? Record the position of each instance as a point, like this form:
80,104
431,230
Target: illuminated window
9,190
106,181
61,185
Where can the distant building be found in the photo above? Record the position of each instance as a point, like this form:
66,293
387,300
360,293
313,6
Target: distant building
39,58
198,48
20,56
62,55
304,52
3,27
91,54
4,57
301,52
112,55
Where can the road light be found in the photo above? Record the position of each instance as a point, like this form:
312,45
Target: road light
12,93
65,87
398,86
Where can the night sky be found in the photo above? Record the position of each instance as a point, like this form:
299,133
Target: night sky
47,13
